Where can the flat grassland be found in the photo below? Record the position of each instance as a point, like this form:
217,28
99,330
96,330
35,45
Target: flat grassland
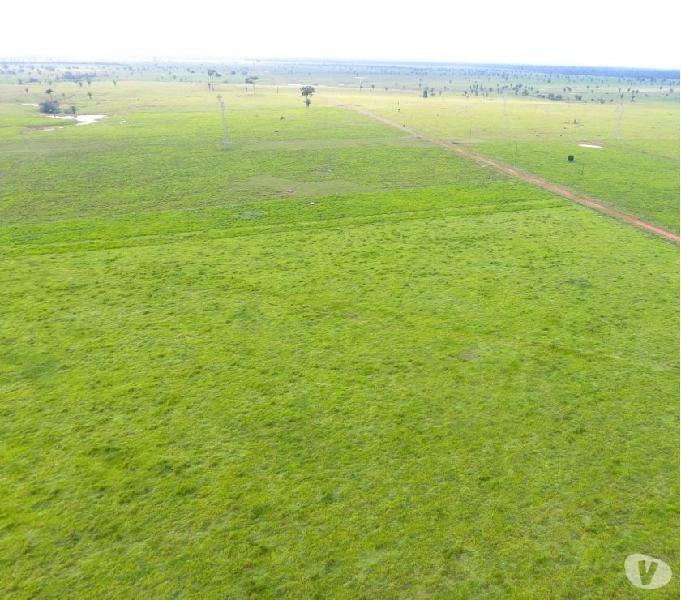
634,166
332,361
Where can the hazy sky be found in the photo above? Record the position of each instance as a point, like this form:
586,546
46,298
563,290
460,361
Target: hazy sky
575,32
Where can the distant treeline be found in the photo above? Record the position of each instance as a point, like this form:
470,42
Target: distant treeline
619,72
550,81
375,67
407,67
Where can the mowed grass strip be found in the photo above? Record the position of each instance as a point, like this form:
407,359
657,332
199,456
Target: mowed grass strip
271,216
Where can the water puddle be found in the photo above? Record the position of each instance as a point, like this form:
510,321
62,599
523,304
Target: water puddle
82,119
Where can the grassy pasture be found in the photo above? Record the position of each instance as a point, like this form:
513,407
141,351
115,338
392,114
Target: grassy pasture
637,169
158,158
332,361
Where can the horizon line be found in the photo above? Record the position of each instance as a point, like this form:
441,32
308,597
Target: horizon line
299,59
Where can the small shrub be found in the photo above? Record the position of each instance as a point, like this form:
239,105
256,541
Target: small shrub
49,107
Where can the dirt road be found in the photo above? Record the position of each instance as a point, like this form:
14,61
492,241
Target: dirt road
555,188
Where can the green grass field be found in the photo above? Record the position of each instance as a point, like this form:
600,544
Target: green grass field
636,169
332,361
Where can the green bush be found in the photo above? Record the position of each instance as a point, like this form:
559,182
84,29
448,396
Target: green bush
50,107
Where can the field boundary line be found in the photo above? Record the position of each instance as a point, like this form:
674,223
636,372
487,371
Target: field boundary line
162,239
508,169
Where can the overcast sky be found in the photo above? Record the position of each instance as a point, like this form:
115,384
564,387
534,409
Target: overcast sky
567,32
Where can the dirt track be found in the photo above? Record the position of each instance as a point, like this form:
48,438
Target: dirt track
555,188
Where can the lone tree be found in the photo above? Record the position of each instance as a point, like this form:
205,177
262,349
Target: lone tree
307,91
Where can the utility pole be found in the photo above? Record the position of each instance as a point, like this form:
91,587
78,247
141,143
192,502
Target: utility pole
225,139
618,127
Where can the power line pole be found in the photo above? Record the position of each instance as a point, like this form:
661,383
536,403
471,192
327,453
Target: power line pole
225,139
618,127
